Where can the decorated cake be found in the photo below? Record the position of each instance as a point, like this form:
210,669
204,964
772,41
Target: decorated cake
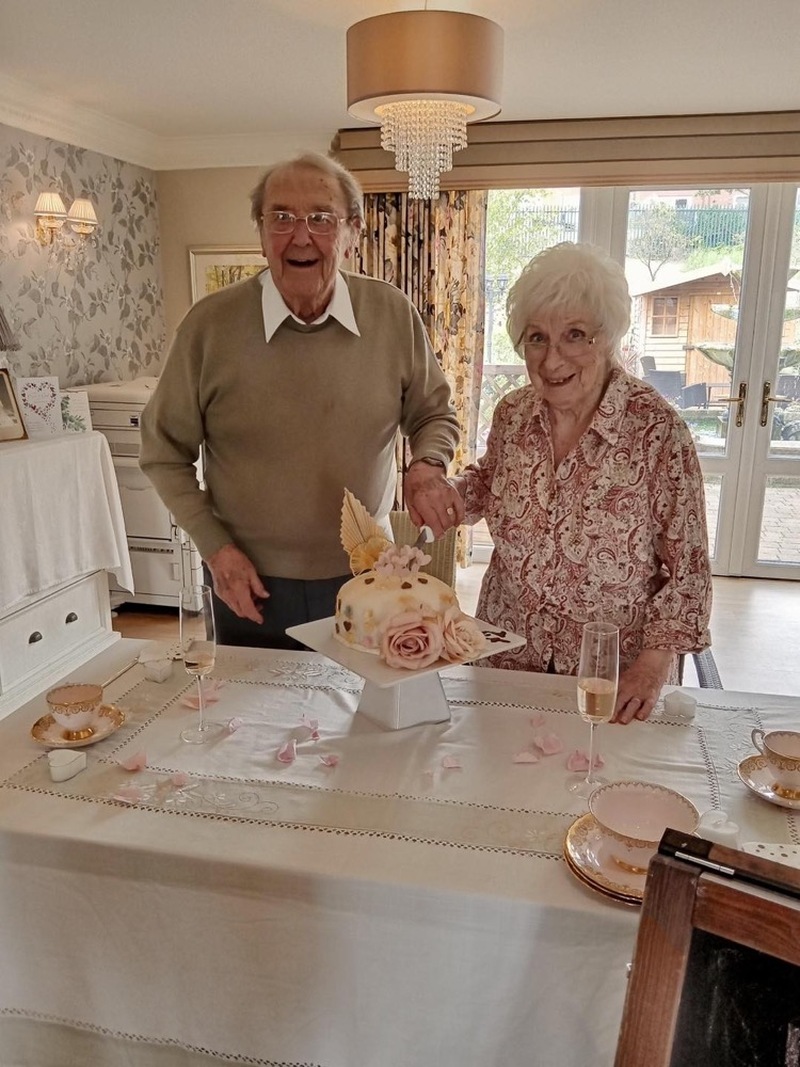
391,608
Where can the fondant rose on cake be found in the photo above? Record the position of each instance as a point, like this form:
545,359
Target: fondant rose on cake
391,608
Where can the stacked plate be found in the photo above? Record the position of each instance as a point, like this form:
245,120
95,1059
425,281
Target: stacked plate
586,851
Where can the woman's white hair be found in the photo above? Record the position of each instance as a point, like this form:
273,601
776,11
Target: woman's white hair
574,280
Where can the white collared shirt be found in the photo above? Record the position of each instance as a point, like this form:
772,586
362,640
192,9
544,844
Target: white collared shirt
275,310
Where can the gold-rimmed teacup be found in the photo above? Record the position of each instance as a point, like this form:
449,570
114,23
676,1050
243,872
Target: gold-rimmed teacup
632,817
781,750
74,707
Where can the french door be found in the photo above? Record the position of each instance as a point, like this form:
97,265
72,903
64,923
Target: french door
715,280
716,328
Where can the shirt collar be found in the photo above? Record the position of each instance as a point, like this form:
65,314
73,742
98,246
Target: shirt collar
275,311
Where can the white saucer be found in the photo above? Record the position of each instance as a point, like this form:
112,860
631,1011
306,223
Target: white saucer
587,855
789,855
48,732
758,778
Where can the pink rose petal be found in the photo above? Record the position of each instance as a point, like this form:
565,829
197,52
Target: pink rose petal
234,724
137,762
451,763
548,744
129,794
179,779
288,753
330,760
312,725
526,756
538,720
579,761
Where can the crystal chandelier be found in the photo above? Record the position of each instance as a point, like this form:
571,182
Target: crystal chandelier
424,75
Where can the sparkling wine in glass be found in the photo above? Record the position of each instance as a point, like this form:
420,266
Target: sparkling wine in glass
198,647
598,675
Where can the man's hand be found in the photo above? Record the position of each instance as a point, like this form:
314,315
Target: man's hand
431,499
640,685
237,583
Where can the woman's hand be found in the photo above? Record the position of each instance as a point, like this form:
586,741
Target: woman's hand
236,582
640,685
431,499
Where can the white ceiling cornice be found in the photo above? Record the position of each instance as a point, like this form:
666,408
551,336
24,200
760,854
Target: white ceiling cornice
31,109
42,113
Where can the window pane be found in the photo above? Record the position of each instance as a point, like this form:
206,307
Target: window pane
785,432
519,223
684,259
713,486
780,522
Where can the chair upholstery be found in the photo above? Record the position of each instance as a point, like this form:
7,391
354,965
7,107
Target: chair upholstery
442,552
706,667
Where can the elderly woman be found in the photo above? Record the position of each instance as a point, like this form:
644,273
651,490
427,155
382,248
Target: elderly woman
591,489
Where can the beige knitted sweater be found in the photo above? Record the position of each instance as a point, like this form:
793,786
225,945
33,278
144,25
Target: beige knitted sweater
288,425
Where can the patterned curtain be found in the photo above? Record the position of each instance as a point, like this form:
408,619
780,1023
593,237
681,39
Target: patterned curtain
434,251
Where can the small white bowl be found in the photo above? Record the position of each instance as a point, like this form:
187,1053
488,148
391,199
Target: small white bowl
633,817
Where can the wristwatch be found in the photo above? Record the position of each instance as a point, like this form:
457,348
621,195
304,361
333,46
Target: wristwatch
430,461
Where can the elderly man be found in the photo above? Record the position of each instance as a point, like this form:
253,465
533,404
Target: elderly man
296,382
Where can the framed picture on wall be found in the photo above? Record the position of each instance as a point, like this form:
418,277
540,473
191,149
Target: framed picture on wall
12,428
214,268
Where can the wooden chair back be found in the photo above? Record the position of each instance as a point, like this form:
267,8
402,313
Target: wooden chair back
715,980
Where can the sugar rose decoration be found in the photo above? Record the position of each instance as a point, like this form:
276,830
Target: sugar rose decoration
412,640
462,638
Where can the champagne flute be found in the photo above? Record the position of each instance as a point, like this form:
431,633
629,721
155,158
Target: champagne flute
198,647
598,675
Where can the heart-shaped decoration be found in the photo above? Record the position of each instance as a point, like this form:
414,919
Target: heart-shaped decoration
40,398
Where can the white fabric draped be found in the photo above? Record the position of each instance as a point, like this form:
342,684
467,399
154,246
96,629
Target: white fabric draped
385,912
60,515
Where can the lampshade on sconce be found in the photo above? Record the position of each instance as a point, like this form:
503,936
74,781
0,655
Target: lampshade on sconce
81,216
423,75
51,215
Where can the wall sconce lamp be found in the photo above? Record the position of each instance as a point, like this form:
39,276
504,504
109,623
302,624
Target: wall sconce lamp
51,214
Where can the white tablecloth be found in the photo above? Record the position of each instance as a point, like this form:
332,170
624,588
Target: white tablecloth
389,911
60,515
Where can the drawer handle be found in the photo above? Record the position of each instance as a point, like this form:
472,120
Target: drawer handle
72,617
35,636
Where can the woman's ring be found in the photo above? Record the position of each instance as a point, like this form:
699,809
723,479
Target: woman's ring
451,511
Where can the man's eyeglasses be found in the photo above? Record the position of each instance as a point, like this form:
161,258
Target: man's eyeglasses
572,343
322,223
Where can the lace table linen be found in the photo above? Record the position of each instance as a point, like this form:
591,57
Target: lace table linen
311,889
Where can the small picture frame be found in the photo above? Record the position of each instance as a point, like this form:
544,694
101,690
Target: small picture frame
214,268
40,404
76,415
12,427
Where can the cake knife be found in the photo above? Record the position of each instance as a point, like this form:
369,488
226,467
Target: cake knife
425,537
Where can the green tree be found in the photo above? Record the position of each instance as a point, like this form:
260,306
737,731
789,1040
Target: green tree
519,223
660,238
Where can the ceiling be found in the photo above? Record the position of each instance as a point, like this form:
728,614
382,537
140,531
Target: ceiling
192,83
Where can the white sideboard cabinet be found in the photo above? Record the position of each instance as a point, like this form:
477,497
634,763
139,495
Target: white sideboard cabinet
61,529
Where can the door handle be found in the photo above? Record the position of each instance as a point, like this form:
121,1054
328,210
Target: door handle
739,400
766,400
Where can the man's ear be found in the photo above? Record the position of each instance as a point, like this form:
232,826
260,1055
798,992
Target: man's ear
355,230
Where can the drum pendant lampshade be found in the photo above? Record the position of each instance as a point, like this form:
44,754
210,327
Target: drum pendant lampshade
423,75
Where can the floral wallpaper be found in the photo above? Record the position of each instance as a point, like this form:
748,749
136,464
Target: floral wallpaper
85,310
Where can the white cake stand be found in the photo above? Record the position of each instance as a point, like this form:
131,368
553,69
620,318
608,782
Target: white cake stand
393,698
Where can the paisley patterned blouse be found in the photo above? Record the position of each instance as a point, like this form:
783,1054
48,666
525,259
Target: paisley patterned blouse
617,532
